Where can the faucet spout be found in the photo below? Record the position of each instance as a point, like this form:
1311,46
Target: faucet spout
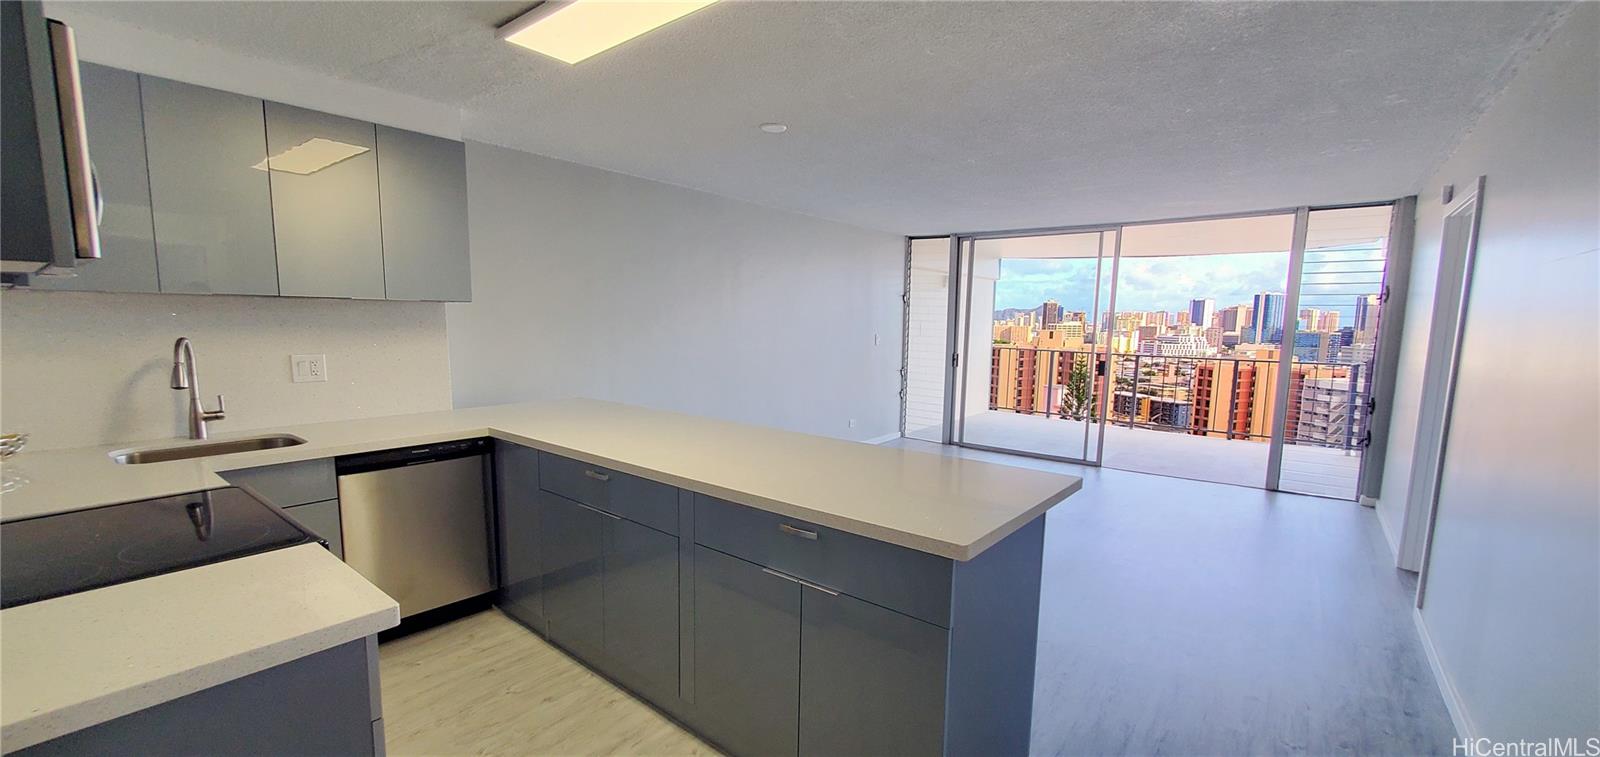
186,375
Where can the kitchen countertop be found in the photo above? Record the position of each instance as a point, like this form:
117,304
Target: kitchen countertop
83,659
945,506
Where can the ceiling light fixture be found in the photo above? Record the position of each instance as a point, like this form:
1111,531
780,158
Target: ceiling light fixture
311,156
774,128
572,30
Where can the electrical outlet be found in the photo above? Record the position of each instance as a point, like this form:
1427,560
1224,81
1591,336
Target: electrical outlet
306,368
852,423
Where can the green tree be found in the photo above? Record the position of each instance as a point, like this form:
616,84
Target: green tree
1075,395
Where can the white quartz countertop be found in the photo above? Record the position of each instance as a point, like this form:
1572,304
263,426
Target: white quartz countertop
83,659
946,506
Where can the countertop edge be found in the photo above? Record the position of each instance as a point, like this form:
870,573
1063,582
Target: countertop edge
938,548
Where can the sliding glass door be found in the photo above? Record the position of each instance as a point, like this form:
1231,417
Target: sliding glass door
1239,349
1032,372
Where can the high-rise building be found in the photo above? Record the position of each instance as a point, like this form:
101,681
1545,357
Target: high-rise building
1310,318
1268,316
1234,318
1051,312
1201,310
1366,319
1329,321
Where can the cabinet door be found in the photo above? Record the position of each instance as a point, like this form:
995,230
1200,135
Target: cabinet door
747,655
641,601
872,680
127,234
422,190
324,204
517,498
572,545
213,208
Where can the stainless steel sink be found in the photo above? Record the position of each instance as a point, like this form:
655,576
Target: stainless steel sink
186,451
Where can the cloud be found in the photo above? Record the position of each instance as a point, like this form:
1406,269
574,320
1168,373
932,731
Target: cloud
1144,283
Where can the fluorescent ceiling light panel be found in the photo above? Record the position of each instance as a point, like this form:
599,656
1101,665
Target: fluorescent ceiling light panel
311,156
571,30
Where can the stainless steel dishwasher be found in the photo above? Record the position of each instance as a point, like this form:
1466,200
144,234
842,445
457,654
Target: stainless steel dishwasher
416,522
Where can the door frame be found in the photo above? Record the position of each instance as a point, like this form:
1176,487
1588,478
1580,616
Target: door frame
1440,369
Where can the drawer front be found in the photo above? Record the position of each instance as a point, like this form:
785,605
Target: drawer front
904,580
322,519
289,484
640,500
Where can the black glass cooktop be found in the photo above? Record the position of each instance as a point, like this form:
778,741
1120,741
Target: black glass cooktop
55,555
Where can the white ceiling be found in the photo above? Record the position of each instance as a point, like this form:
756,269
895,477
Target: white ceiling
930,117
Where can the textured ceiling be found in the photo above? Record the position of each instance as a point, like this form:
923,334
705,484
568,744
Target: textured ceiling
944,116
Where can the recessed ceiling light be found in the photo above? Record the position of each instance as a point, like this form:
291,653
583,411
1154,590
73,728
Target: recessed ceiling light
774,128
571,30
311,156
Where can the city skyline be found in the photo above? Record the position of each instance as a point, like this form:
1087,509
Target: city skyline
1171,282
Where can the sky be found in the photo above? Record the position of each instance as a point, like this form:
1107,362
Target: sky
1146,283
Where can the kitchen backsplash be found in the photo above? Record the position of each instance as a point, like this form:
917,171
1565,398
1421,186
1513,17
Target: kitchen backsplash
80,369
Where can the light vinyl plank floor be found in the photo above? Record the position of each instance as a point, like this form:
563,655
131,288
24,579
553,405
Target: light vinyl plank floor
486,685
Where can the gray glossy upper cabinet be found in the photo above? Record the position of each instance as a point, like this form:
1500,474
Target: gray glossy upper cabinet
872,681
641,608
324,204
127,235
747,659
572,547
422,188
211,200
516,470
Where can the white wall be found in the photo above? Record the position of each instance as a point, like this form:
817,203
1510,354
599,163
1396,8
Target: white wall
591,283
1512,611
87,368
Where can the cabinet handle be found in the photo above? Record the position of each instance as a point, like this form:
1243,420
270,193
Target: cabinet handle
801,581
800,532
598,510
598,476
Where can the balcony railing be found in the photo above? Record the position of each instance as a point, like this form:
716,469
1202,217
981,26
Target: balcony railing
1225,397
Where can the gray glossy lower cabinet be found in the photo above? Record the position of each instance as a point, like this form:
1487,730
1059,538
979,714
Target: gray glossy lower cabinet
747,659
114,117
769,635
516,471
572,542
322,519
324,206
212,202
641,608
872,681
326,703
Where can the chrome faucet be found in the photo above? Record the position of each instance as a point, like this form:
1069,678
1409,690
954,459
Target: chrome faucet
185,375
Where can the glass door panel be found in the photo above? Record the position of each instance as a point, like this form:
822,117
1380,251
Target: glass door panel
1030,352
1193,359
1334,344
927,347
